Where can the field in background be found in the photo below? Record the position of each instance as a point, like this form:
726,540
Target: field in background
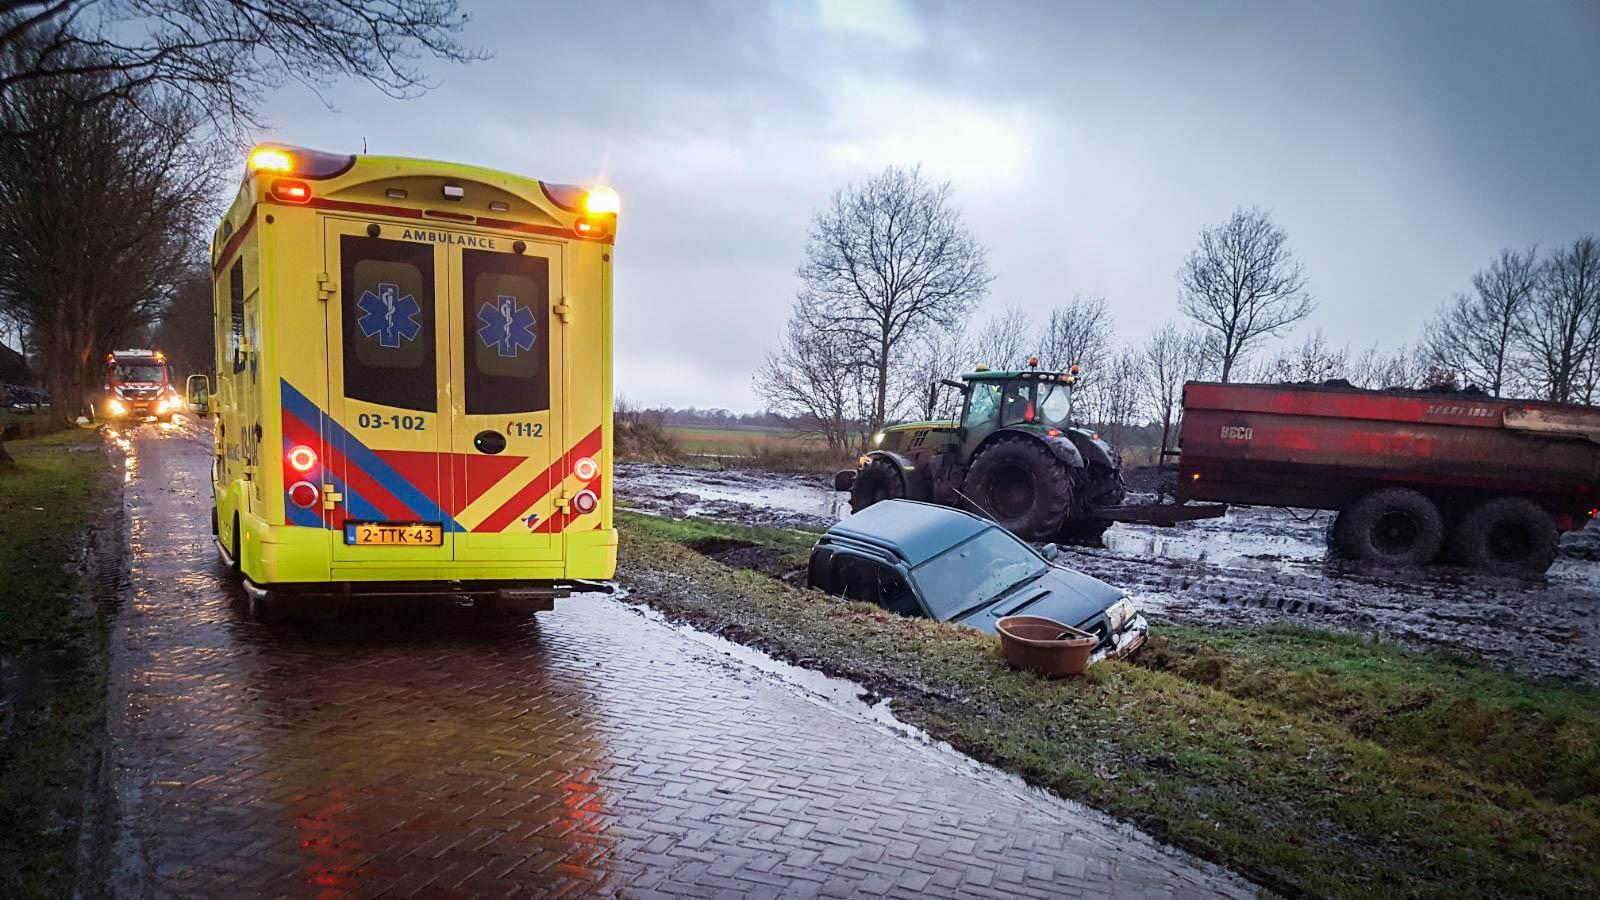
767,448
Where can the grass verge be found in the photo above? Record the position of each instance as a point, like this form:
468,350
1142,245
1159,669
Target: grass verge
52,657
1317,764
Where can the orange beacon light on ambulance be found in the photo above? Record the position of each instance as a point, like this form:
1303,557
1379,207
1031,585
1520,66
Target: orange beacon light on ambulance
413,380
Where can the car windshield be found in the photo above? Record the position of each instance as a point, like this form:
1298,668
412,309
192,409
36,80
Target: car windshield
975,572
139,373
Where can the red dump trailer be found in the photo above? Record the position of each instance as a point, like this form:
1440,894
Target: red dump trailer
1414,475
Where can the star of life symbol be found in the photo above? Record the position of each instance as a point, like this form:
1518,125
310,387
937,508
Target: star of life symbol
507,326
389,316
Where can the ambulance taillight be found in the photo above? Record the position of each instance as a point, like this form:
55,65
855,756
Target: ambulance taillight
302,458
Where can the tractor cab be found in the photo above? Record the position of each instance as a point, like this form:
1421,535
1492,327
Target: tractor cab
1013,455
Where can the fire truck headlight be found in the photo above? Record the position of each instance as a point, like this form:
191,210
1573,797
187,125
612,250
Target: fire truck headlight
115,407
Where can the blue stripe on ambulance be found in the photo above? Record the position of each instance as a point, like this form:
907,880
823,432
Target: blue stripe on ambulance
361,456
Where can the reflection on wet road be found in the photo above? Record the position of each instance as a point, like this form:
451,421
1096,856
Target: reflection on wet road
592,750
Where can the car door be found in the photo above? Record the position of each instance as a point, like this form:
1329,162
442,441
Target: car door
508,365
388,425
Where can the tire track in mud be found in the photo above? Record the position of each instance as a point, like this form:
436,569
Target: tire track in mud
1254,567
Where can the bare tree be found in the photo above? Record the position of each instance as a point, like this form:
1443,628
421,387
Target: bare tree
221,55
1243,283
1169,358
1476,334
1077,332
815,380
183,330
889,260
101,210
1560,326
1007,340
1312,361
1378,370
1111,393
944,353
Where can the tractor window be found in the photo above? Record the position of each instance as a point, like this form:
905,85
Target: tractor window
1055,404
1015,402
862,579
983,407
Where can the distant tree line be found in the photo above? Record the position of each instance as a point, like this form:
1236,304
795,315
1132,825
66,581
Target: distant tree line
874,325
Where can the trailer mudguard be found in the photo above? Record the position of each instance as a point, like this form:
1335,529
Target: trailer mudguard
915,480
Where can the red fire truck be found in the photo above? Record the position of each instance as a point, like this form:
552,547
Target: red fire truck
138,386
1414,475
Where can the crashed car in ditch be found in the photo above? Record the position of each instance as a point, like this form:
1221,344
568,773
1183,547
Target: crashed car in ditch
918,559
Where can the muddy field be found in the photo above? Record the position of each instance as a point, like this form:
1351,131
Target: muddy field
1252,567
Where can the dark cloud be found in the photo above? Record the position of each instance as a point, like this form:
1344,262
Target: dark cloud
1399,144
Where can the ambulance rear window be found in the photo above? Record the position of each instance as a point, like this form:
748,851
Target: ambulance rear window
386,290
507,332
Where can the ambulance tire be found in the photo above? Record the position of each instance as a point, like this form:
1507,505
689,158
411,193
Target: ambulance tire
1396,526
1507,536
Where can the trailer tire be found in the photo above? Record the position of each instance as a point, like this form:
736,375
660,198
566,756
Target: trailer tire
1507,536
1398,526
877,481
1022,486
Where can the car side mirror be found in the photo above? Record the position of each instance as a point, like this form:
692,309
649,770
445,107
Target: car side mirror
198,389
1050,552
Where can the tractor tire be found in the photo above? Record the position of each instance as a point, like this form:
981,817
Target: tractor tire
1396,526
878,480
1507,536
1020,484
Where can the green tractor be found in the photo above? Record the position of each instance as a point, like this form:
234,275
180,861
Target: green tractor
1013,456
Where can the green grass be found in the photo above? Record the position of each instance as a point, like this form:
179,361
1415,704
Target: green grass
1315,763
56,647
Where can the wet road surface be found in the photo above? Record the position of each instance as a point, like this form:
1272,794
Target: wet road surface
591,750
1255,566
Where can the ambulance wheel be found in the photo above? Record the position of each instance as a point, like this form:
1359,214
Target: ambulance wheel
1507,536
1398,526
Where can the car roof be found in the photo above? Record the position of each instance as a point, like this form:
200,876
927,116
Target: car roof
913,531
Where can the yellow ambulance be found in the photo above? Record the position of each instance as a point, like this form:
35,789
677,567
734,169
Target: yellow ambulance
413,380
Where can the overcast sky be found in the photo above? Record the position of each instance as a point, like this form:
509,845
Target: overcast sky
1399,144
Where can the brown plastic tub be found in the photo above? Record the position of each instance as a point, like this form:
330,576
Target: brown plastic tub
1045,646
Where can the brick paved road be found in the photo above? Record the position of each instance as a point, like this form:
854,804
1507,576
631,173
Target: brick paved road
590,751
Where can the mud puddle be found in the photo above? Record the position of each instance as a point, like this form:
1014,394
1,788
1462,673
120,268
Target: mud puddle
1255,566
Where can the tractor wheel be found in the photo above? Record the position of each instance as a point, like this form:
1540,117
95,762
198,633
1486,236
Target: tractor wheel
878,480
1398,526
1022,486
1507,536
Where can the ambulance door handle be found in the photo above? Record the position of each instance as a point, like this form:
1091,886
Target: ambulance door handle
330,497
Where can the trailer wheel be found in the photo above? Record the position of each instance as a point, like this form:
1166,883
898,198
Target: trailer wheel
1022,485
878,480
1507,536
1398,526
